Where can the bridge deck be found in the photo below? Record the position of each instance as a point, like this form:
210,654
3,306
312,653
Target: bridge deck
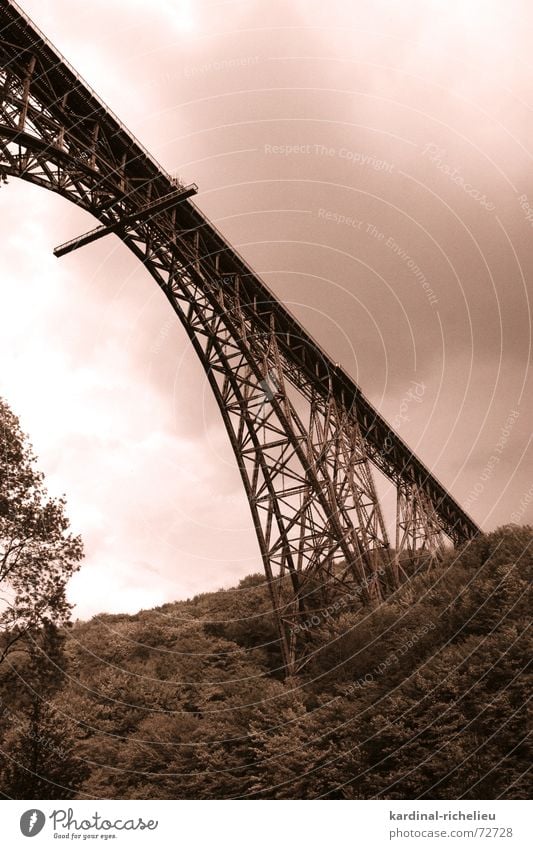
20,39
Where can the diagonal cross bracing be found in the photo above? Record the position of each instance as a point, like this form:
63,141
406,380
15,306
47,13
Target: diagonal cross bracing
305,438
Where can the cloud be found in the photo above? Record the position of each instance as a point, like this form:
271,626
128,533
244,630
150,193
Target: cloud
102,374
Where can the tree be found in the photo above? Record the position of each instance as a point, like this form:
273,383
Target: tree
38,554
38,758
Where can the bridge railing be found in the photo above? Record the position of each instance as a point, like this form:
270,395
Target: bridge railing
85,85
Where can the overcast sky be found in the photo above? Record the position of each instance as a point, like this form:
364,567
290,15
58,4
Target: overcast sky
373,161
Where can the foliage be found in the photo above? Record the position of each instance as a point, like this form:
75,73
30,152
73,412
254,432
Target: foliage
423,697
37,757
37,553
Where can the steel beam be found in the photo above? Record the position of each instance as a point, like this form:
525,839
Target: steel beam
145,213
305,438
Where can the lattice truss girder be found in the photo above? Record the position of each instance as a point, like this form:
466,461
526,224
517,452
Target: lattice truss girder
305,465
418,530
309,484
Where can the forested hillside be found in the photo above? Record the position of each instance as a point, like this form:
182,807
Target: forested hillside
423,697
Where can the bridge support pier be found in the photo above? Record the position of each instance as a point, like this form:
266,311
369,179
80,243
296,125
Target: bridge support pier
305,438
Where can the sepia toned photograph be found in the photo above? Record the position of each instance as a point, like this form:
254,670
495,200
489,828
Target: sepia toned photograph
266,490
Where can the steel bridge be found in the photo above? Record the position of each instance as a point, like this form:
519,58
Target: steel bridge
305,438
